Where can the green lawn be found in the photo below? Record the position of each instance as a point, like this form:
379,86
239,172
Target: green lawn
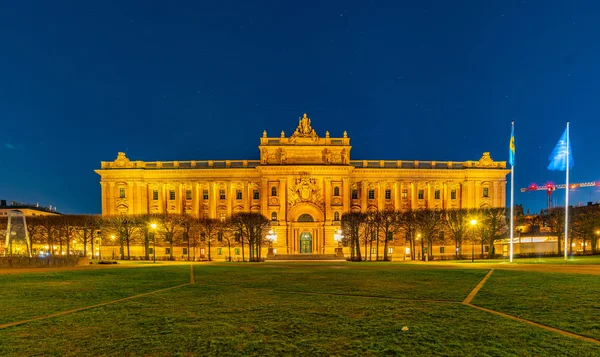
567,301
29,295
315,309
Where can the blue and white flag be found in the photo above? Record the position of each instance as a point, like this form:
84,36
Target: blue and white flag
558,158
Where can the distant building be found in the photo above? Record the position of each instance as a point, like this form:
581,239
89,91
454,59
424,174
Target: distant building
303,183
26,208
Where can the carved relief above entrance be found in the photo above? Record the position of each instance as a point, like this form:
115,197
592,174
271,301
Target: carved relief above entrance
305,189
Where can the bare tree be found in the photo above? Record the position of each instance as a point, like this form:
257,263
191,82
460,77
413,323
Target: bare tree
171,225
125,227
209,227
457,223
254,225
429,222
388,221
352,223
409,224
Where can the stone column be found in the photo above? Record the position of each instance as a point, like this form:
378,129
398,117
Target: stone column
363,195
346,194
264,192
327,194
282,216
397,193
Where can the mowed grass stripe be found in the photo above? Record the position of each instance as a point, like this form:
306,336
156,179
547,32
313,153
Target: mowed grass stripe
11,324
228,321
406,282
567,302
29,295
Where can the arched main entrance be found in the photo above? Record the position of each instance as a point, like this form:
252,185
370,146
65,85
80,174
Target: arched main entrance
305,243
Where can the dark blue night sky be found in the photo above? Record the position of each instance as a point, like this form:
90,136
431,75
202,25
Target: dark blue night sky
428,80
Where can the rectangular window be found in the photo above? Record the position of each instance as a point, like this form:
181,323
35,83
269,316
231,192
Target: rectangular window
421,194
371,194
453,194
442,249
184,251
404,194
487,248
238,194
222,216
486,192
205,194
219,251
172,194
373,250
388,194
221,194
188,194
237,251
436,194
441,235
256,194
122,192
355,194
150,251
167,250
390,250
155,195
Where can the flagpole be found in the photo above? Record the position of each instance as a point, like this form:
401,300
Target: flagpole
567,198
512,198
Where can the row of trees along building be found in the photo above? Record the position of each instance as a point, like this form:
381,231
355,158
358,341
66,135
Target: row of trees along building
57,233
364,233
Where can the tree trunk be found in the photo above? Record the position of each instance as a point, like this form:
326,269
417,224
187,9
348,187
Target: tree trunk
128,252
243,255
385,247
85,244
209,257
422,250
377,245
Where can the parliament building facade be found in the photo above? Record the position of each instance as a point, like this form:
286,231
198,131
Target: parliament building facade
303,183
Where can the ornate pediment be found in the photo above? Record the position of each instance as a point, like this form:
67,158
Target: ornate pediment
305,189
122,161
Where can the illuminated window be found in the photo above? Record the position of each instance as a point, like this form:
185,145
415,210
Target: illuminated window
188,194
237,251
219,251
336,191
273,191
122,192
453,194
371,194
336,216
238,194
172,194
221,194
274,216
355,194
167,250
205,194
388,194
256,194
486,192
222,216
390,250
436,194
155,195
404,194
421,194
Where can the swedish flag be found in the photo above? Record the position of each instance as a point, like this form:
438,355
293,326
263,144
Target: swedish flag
511,146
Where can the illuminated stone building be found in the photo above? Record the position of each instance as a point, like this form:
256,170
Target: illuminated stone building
302,183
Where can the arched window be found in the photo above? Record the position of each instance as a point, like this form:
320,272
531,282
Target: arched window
336,191
273,191
305,218
274,216
336,216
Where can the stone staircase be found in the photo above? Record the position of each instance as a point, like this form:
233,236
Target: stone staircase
305,257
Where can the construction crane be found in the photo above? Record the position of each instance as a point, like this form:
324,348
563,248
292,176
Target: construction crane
550,188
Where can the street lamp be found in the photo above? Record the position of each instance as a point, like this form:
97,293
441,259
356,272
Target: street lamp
153,236
272,238
473,223
338,236
112,237
419,239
